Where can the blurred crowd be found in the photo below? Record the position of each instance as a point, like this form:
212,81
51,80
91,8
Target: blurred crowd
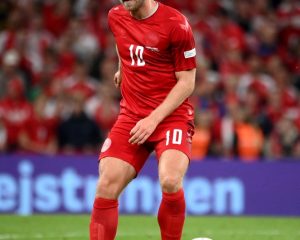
58,59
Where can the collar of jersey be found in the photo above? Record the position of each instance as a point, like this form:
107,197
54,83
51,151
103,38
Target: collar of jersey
150,15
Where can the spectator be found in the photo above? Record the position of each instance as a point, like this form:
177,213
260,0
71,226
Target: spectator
80,81
85,43
256,79
39,136
38,40
10,70
94,16
11,35
224,129
233,63
16,112
229,34
202,139
103,107
284,140
56,16
267,34
78,133
249,138
242,14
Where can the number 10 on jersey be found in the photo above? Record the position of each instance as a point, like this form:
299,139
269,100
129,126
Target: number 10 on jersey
136,54
175,135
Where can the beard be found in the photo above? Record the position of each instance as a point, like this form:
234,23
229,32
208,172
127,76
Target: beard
132,5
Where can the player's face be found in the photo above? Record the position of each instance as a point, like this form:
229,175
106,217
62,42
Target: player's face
132,5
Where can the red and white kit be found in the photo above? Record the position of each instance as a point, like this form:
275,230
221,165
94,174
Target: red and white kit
151,50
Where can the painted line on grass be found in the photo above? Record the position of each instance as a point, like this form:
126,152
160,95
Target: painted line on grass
40,236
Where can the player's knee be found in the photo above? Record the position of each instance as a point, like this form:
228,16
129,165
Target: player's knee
170,184
107,188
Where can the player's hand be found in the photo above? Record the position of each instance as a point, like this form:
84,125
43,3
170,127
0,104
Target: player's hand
142,130
118,78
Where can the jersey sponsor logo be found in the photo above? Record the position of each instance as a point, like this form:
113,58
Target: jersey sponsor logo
106,145
153,49
190,53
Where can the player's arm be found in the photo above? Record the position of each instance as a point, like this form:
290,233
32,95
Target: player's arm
118,74
111,23
181,91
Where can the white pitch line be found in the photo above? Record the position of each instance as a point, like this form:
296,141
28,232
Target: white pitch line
39,236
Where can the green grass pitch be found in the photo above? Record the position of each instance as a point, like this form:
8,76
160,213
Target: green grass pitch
64,227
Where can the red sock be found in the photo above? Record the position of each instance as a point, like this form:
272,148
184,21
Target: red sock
171,215
104,220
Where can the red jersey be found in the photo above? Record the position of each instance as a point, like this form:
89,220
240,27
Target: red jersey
151,50
40,131
15,115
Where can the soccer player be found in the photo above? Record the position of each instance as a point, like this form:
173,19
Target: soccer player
156,75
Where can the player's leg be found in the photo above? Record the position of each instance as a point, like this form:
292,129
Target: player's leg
120,163
114,174
171,215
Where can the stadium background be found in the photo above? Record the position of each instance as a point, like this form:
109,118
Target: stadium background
58,101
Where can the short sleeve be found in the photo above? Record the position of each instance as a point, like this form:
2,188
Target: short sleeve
183,46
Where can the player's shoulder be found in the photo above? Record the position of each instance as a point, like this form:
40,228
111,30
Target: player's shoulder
117,11
172,14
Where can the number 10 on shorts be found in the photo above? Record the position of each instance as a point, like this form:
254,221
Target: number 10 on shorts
175,135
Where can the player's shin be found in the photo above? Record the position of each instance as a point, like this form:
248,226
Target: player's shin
171,215
104,219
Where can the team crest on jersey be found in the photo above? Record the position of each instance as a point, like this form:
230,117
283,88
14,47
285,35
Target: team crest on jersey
106,145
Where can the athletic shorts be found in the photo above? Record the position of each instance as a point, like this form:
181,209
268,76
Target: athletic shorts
168,135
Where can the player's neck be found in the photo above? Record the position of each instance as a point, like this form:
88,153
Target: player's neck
145,11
